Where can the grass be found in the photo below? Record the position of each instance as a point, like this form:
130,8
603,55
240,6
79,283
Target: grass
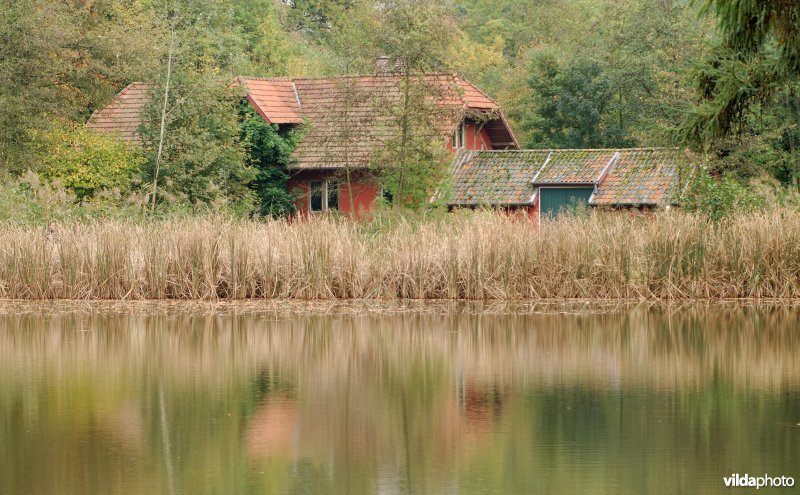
481,255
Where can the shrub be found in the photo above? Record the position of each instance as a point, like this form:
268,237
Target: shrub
269,148
718,197
87,162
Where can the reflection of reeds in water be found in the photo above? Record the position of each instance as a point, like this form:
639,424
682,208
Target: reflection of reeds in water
477,256
411,395
660,347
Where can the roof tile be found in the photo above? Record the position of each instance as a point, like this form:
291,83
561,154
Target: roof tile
574,167
495,178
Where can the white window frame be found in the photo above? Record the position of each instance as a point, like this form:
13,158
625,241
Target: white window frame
460,136
326,183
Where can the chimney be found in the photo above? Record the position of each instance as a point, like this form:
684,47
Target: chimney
389,65
382,64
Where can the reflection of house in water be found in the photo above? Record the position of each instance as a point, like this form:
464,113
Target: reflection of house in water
480,404
274,426
274,429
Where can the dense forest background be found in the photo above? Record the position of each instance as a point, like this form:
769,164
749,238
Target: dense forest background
569,73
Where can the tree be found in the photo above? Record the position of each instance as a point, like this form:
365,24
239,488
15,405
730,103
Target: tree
205,161
752,27
191,133
572,106
353,41
647,49
758,56
415,37
59,61
641,49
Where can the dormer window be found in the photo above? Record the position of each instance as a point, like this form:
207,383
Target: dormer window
459,136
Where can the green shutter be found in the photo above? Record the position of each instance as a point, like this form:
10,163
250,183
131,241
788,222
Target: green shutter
554,200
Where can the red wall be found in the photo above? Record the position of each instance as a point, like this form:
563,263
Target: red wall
364,195
364,191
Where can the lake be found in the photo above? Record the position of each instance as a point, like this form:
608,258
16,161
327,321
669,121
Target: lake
403,398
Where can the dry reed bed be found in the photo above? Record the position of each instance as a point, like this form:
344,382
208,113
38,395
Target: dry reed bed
472,256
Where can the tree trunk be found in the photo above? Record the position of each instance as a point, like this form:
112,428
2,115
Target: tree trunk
398,201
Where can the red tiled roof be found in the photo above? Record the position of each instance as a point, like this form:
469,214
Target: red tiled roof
474,98
349,118
123,115
275,99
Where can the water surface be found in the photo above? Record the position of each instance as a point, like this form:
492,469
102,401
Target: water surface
401,399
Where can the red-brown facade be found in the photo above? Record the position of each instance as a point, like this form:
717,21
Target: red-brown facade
332,193
469,135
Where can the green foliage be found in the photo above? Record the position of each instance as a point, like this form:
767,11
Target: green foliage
639,50
718,197
205,161
316,16
87,162
572,106
729,88
751,26
269,148
29,200
416,34
767,136
413,181
62,60
758,56
32,200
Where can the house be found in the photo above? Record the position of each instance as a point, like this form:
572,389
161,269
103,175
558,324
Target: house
346,125
545,182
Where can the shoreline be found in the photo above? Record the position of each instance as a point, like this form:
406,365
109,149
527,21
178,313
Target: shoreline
374,306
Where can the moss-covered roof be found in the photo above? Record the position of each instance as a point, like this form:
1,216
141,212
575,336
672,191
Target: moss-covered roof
621,177
574,167
494,178
644,177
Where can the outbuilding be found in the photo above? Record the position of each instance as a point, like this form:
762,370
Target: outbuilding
547,182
